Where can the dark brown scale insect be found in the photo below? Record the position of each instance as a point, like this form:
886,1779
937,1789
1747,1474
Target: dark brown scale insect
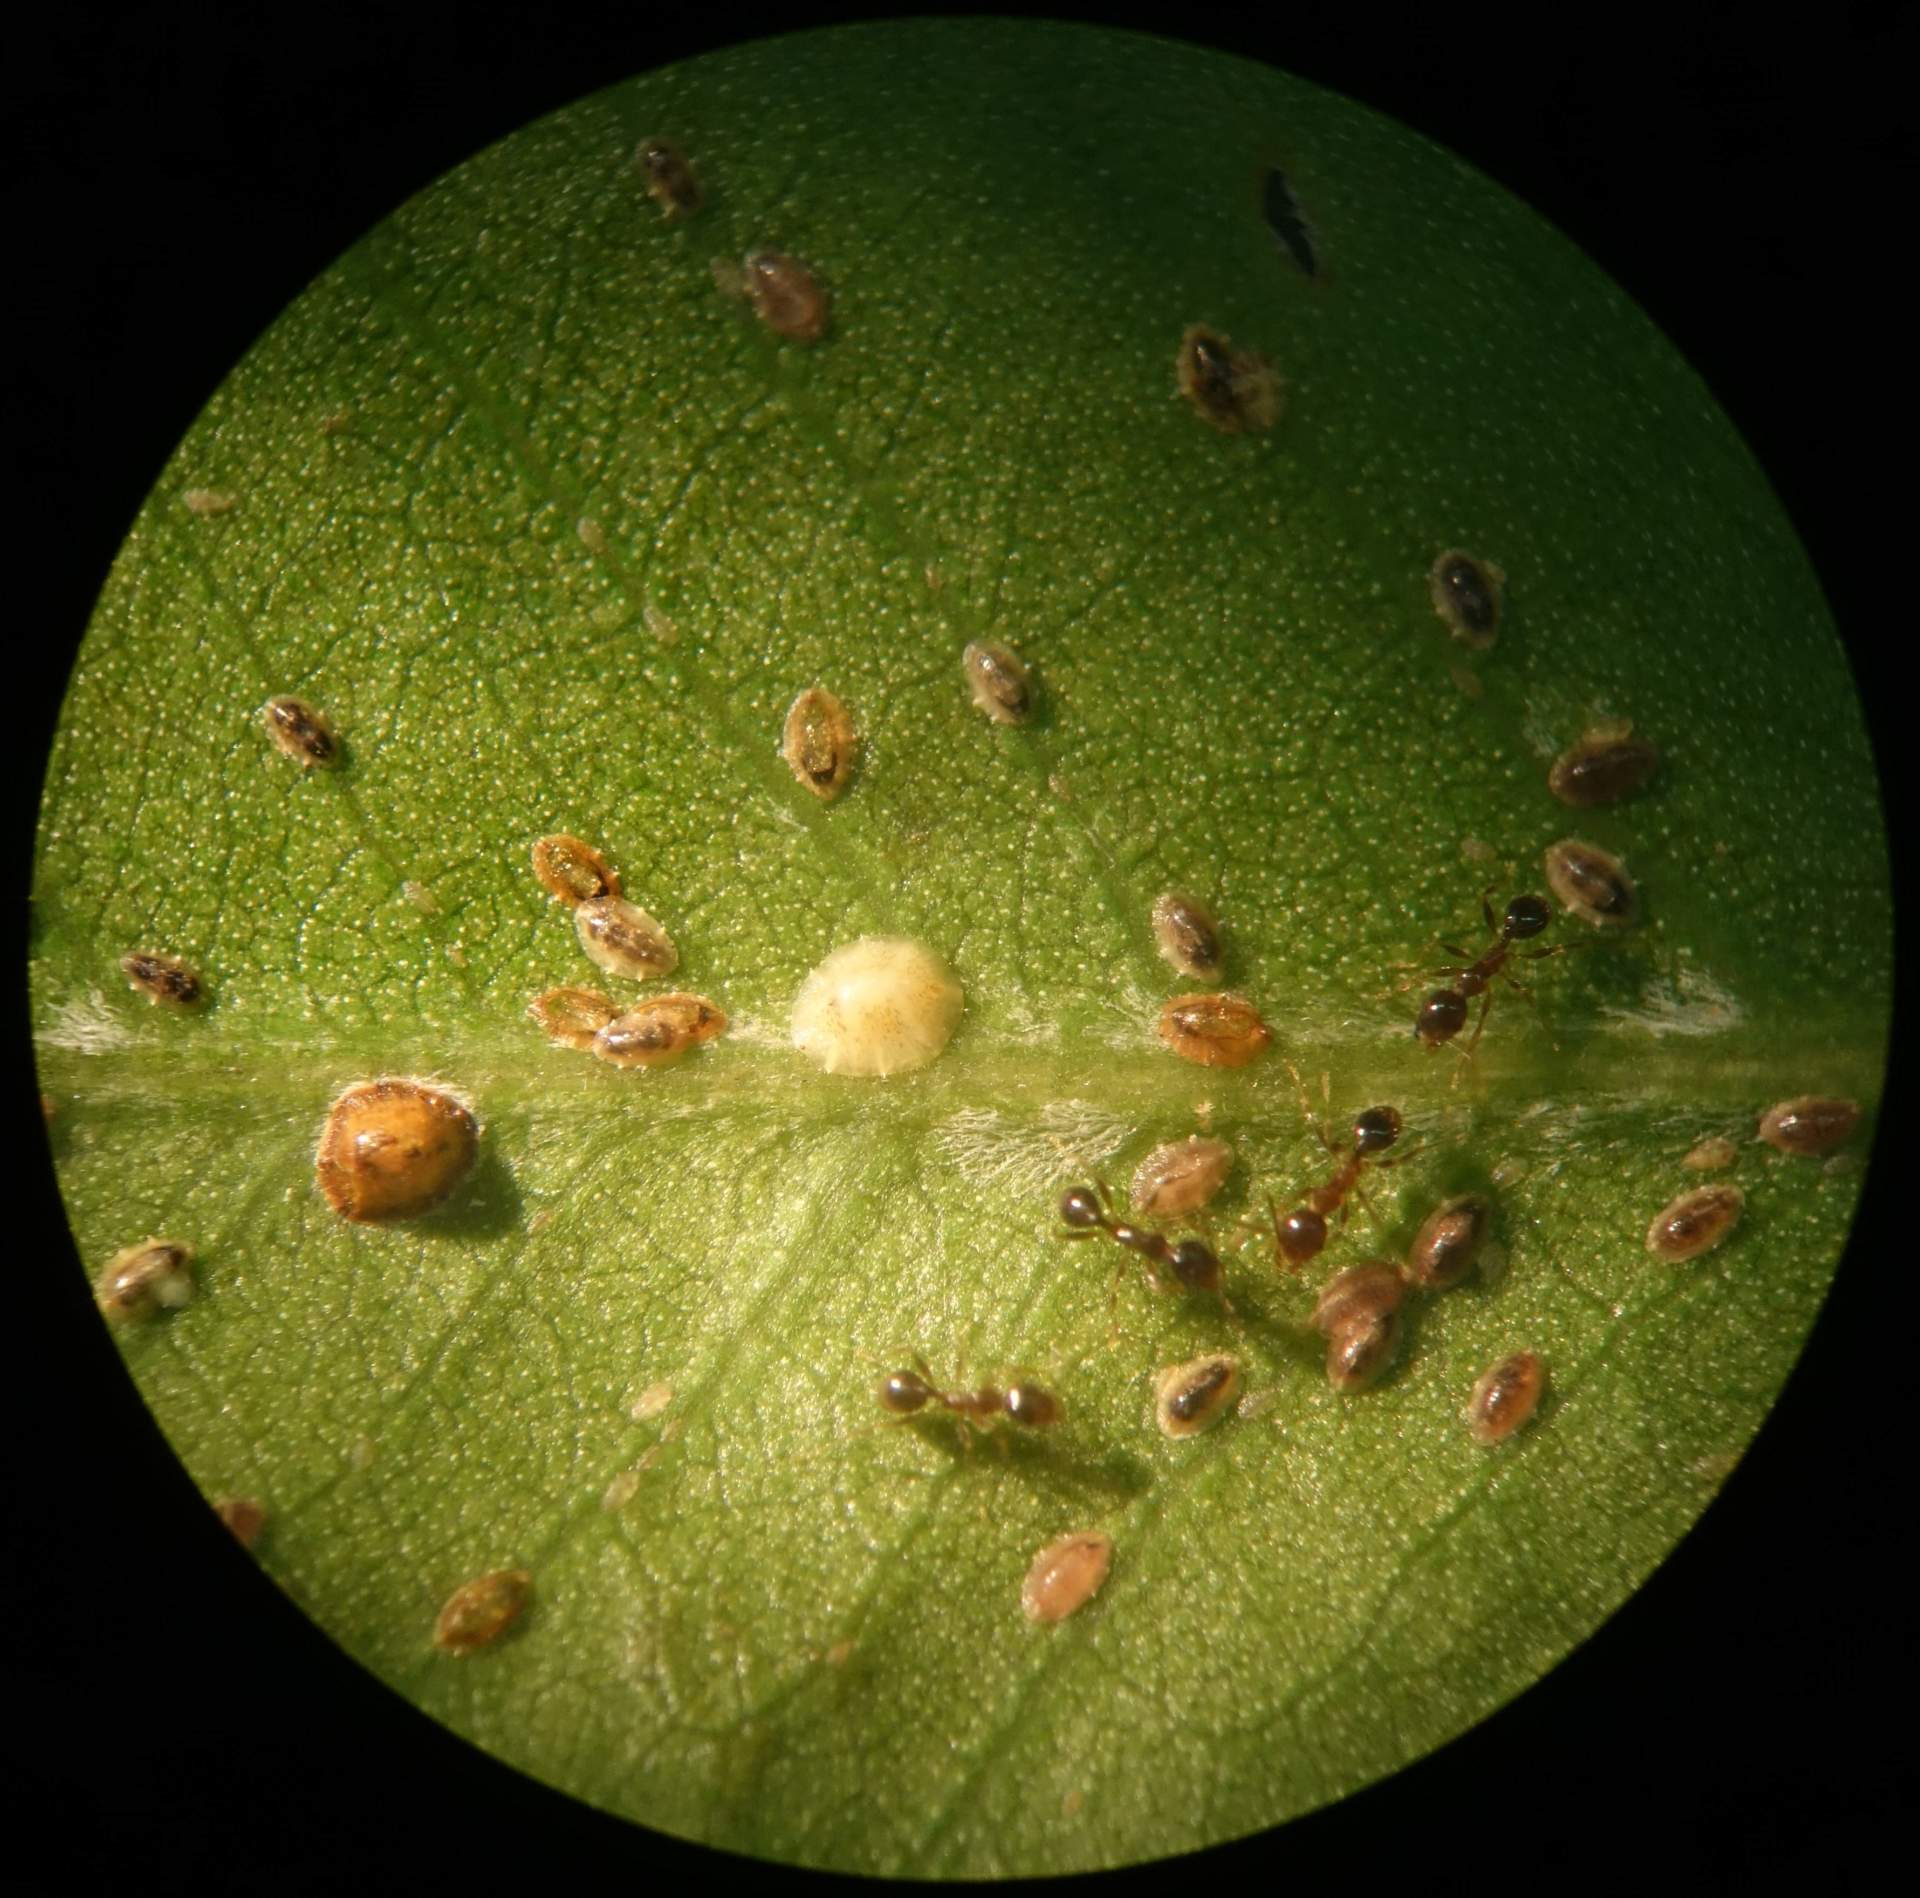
1186,935
670,180
1506,1395
1809,1125
1466,595
1591,882
1186,1264
785,294
1213,1031
1602,768
163,980
299,732
1444,1013
1448,1243
1301,1234
1694,1223
1233,390
1358,1314
1188,1397
1032,1406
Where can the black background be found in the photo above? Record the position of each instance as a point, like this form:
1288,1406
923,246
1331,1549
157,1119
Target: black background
182,174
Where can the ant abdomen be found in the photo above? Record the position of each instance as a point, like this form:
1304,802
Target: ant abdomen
1196,1266
1442,1016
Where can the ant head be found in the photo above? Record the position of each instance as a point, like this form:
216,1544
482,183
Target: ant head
1379,1127
1194,1265
903,1393
1442,1016
1301,1234
1080,1206
1526,916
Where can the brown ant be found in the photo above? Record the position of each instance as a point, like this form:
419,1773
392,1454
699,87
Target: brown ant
1301,1234
1191,1262
1444,1013
1030,1405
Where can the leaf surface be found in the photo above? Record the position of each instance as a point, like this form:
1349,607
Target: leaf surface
554,533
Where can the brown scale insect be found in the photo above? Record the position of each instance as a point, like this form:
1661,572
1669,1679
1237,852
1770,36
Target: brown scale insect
1066,1575
393,1149
1031,1405
1358,1313
1186,935
1466,593
572,872
479,1612
999,681
299,732
1694,1223
819,742
1606,765
1448,1243
1505,1396
1444,1013
572,1017
786,296
244,1517
1180,1176
658,1032
1809,1125
621,939
1233,390
670,180
164,980
1303,1232
1591,882
1187,1264
141,1278
1213,1030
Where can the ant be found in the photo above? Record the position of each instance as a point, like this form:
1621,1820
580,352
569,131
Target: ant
1030,1405
1300,1235
1191,1262
1444,1013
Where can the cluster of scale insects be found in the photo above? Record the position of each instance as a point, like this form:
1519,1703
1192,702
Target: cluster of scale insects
394,1148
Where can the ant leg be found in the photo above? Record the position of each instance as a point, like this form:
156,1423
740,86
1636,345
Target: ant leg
1486,1002
1486,909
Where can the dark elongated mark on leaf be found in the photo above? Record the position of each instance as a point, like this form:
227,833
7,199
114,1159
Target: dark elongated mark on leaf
165,981
1282,211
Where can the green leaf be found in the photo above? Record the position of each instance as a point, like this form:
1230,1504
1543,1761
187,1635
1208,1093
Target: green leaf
554,533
